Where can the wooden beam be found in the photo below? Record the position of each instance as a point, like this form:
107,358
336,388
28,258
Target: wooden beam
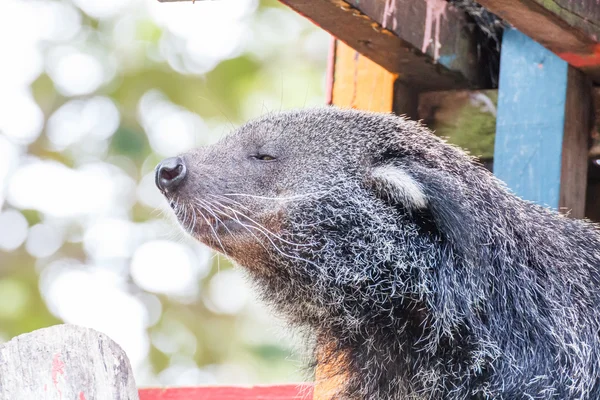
570,29
426,43
543,125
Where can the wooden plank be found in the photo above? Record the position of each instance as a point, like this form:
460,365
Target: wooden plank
427,43
65,362
570,29
278,392
576,137
354,81
362,84
543,125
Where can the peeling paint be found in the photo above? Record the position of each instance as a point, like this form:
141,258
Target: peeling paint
58,368
433,18
388,12
355,80
330,71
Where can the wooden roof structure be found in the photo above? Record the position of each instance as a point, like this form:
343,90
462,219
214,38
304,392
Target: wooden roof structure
432,44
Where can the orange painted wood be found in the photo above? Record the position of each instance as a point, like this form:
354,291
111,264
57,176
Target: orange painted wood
278,392
359,83
354,81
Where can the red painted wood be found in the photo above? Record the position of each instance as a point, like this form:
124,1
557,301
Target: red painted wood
590,59
279,392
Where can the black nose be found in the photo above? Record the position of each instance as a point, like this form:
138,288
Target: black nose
170,173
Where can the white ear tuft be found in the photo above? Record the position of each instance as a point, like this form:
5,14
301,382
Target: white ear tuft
399,186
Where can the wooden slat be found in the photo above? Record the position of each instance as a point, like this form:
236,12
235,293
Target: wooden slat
427,43
354,81
543,125
276,392
570,29
362,84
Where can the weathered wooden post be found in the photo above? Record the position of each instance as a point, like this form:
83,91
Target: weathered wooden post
65,362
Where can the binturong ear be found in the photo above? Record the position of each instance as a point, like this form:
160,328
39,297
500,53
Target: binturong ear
453,206
432,195
395,185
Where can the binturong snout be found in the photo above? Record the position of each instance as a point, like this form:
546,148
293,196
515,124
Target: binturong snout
170,173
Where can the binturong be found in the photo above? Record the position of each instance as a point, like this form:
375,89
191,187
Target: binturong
416,269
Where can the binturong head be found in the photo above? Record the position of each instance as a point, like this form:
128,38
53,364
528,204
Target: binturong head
237,195
327,199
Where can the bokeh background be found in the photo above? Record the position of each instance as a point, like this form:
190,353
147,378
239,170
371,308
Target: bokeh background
93,94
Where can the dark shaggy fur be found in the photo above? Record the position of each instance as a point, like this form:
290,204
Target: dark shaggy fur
424,275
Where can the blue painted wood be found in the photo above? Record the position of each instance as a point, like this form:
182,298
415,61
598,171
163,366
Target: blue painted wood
531,119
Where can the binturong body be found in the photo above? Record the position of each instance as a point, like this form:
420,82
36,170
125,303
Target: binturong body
422,275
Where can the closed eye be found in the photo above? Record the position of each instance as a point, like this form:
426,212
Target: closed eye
263,157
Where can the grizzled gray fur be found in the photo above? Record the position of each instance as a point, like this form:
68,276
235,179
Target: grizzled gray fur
427,277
